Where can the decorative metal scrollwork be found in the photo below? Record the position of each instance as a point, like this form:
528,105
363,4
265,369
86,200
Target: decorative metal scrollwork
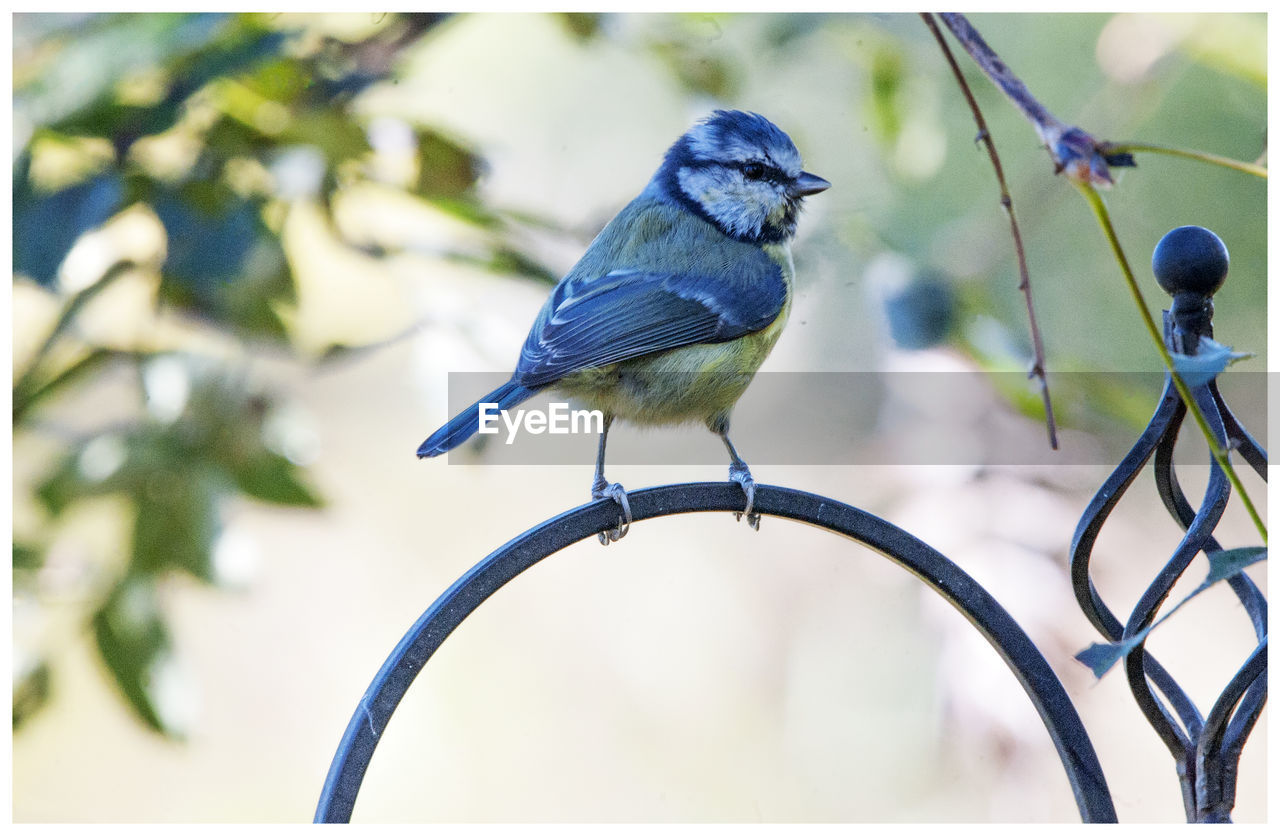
1206,749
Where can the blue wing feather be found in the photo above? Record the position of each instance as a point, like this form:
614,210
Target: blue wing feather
589,323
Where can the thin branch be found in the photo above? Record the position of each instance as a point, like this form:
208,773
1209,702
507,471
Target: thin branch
1074,151
1086,163
1048,125
1024,275
28,381
1201,156
27,396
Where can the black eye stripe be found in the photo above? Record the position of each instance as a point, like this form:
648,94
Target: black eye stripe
760,171
767,172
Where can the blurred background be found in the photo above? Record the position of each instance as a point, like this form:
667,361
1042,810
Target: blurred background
249,251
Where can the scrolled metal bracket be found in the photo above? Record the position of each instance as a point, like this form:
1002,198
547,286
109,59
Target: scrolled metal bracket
1084,772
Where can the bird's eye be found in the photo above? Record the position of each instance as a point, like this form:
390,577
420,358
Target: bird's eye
753,171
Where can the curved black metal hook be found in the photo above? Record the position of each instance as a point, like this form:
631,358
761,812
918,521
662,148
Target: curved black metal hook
431,629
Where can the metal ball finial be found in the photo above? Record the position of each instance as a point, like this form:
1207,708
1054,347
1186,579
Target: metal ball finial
1190,259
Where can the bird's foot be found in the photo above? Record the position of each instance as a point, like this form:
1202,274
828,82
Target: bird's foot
742,475
601,489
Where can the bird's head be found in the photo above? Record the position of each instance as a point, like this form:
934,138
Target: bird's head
740,172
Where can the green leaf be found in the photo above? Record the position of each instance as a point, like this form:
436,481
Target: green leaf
581,25
229,138
699,71
445,168
176,522
271,477
888,78
335,133
137,462
105,464
123,123
31,692
135,645
26,557
1224,564
60,488
1210,359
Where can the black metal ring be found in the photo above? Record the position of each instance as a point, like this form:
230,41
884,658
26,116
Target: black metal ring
1050,699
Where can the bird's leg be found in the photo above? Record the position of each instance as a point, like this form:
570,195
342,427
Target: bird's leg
601,489
740,473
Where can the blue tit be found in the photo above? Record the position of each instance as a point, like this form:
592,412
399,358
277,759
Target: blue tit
677,301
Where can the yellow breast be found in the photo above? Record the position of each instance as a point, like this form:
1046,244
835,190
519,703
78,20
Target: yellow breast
699,382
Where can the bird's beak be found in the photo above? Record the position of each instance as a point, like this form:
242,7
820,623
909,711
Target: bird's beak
807,184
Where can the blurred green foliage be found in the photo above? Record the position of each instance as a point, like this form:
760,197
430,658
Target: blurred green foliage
211,123
248,93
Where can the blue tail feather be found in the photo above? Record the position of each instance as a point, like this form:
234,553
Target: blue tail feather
465,423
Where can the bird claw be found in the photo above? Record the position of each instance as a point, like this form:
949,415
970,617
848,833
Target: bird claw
742,476
615,491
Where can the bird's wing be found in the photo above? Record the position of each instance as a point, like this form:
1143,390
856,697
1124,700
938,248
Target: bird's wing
597,320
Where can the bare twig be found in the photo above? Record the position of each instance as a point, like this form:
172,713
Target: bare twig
1086,163
28,382
1202,156
1074,151
1024,276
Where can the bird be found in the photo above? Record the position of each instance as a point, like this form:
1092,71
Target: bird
676,302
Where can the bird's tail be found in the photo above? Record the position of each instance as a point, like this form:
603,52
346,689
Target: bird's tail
466,422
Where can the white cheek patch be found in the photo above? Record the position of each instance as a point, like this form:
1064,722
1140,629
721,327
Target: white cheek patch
741,209
703,184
